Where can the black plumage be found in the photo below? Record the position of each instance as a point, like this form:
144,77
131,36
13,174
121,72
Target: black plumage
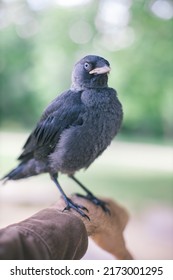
74,129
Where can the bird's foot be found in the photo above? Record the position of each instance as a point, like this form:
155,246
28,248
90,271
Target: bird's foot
96,201
78,208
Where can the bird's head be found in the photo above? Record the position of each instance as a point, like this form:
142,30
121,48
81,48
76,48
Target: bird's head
90,72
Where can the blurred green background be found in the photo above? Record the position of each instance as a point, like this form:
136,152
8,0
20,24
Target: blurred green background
39,43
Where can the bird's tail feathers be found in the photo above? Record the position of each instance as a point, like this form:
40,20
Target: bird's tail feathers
25,169
14,174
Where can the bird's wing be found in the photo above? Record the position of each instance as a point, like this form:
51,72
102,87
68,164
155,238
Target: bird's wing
63,112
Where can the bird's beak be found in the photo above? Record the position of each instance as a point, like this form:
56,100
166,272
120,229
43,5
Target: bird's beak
101,70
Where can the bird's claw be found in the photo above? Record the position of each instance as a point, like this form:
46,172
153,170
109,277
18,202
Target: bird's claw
78,208
96,201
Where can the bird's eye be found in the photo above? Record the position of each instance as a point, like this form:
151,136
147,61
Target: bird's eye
87,66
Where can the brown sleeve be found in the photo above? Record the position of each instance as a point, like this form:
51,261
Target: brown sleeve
50,234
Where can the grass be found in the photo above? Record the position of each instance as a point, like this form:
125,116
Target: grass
135,188
109,176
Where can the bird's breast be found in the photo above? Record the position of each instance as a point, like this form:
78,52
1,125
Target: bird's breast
80,145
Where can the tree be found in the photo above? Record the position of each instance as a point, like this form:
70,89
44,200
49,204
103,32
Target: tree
39,45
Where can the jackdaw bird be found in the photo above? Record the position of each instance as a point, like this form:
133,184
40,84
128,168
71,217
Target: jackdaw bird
74,129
